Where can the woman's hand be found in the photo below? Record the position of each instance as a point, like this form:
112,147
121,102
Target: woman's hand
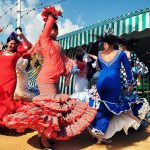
27,44
138,82
19,32
130,88
92,56
50,11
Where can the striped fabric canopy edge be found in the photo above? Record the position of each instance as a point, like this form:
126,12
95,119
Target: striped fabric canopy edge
137,21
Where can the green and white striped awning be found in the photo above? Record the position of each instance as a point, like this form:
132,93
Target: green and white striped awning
137,21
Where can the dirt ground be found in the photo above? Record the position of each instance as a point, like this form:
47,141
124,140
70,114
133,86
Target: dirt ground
136,140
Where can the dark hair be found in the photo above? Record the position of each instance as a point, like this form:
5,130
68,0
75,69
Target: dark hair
127,43
110,39
79,54
55,26
79,57
78,49
11,38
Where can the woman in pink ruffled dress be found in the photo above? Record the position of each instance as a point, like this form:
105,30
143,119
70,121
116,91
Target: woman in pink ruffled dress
53,115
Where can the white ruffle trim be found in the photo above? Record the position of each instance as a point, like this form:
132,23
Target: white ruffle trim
123,121
144,109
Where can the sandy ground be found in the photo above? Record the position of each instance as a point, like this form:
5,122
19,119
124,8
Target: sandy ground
136,140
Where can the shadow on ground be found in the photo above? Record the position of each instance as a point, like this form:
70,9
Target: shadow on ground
85,141
12,132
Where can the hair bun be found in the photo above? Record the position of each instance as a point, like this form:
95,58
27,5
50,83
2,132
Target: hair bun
110,39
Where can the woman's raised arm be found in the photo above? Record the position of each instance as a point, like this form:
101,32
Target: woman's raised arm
49,15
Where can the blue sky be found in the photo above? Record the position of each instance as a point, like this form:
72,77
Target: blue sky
76,14
92,11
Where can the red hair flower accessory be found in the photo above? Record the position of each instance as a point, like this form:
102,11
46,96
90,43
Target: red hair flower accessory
50,11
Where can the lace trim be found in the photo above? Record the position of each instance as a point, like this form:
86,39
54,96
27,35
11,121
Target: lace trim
116,106
108,64
144,109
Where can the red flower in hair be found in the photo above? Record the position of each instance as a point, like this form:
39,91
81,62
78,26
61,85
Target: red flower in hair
50,10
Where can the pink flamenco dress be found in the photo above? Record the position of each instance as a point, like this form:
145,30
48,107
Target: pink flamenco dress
8,81
56,115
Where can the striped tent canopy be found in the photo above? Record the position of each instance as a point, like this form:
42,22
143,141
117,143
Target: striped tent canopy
136,21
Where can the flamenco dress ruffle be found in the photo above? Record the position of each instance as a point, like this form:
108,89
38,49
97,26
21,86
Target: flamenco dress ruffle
140,68
122,118
141,106
60,118
7,104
